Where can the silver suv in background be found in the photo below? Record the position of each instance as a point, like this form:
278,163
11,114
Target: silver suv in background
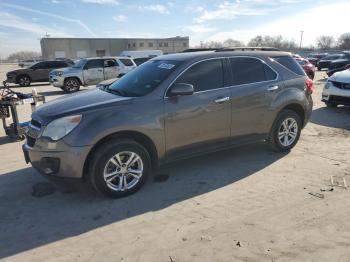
90,71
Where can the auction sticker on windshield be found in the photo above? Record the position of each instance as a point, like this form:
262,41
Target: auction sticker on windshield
166,66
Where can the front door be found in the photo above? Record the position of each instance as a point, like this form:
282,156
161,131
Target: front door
201,121
40,72
110,69
254,87
93,72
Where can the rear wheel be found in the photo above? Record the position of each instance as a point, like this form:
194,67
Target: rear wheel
319,68
119,168
23,80
71,85
286,130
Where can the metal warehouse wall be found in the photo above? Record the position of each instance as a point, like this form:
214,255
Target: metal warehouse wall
74,48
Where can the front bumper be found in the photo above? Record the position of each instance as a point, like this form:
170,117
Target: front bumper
65,162
56,81
336,95
11,79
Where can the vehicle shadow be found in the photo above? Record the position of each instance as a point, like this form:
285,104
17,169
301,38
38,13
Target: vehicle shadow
332,117
27,222
31,85
6,140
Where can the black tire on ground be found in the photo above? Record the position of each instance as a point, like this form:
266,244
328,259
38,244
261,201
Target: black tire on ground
330,104
23,80
275,139
71,85
311,76
319,68
101,162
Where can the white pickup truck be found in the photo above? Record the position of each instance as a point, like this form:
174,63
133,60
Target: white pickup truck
90,71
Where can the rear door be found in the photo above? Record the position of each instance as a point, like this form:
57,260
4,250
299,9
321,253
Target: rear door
110,69
93,72
200,121
254,87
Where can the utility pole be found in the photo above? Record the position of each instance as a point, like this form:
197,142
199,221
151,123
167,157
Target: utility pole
301,38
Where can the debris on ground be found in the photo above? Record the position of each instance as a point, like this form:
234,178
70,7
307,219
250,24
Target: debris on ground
316,194
339,181
43,189
238,244
324,189
171,259
206,238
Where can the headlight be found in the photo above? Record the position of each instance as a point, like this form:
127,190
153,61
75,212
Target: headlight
327,85
61,127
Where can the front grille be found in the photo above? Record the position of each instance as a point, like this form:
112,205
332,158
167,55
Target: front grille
30,141
341,85
33,132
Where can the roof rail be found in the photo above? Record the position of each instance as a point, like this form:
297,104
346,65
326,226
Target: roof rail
199,50
248,48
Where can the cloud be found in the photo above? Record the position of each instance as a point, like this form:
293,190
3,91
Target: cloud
120,18
52,15
199,28
290,26
12,21
101,2
158,8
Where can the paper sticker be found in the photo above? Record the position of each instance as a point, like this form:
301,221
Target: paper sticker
166,66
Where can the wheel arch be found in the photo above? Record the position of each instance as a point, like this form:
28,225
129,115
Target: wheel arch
139,137
23,74
297,108
75,77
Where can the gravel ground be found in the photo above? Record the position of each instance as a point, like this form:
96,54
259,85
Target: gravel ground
244,204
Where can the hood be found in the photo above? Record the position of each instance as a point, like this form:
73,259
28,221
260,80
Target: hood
341,61
19,71
342,76
78,103
66,70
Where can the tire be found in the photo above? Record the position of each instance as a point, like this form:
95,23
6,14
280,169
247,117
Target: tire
104,161
330,104
288,117
71,85
311,76
23,80
319,68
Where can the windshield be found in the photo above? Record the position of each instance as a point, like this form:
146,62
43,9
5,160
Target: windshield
332,57
79,64
144,79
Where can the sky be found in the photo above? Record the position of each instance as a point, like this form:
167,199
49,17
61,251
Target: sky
24,22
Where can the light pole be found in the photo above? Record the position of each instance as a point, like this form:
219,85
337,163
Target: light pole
301,38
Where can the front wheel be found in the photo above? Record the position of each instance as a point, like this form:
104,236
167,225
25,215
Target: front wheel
119,168
71,85
285,131
24,81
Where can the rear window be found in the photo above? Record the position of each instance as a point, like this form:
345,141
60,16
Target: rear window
248,70
126,62
290,63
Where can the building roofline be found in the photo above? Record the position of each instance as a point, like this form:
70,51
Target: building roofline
122,38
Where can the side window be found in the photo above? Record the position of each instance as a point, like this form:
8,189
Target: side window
109,63
126,62
290,63
203,76
41,65
97,63
246,70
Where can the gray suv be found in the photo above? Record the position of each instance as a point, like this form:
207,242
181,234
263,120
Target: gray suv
171,107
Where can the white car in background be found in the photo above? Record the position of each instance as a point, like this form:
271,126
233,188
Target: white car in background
337,89
125,65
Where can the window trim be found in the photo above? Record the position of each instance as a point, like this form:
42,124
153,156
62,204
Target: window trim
221,58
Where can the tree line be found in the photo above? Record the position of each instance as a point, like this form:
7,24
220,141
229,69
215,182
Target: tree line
323,42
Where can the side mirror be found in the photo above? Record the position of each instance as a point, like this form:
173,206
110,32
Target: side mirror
181,89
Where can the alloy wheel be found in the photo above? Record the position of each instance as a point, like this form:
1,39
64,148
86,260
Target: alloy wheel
288,131
123,171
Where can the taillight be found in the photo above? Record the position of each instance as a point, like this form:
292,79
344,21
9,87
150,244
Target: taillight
309,85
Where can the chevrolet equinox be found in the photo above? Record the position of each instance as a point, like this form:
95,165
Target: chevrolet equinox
171,107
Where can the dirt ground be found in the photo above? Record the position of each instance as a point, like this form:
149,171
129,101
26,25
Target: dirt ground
244,204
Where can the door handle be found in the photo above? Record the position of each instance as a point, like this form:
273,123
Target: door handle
222,100
272,88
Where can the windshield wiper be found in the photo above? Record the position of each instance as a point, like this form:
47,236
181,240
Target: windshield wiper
114,91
